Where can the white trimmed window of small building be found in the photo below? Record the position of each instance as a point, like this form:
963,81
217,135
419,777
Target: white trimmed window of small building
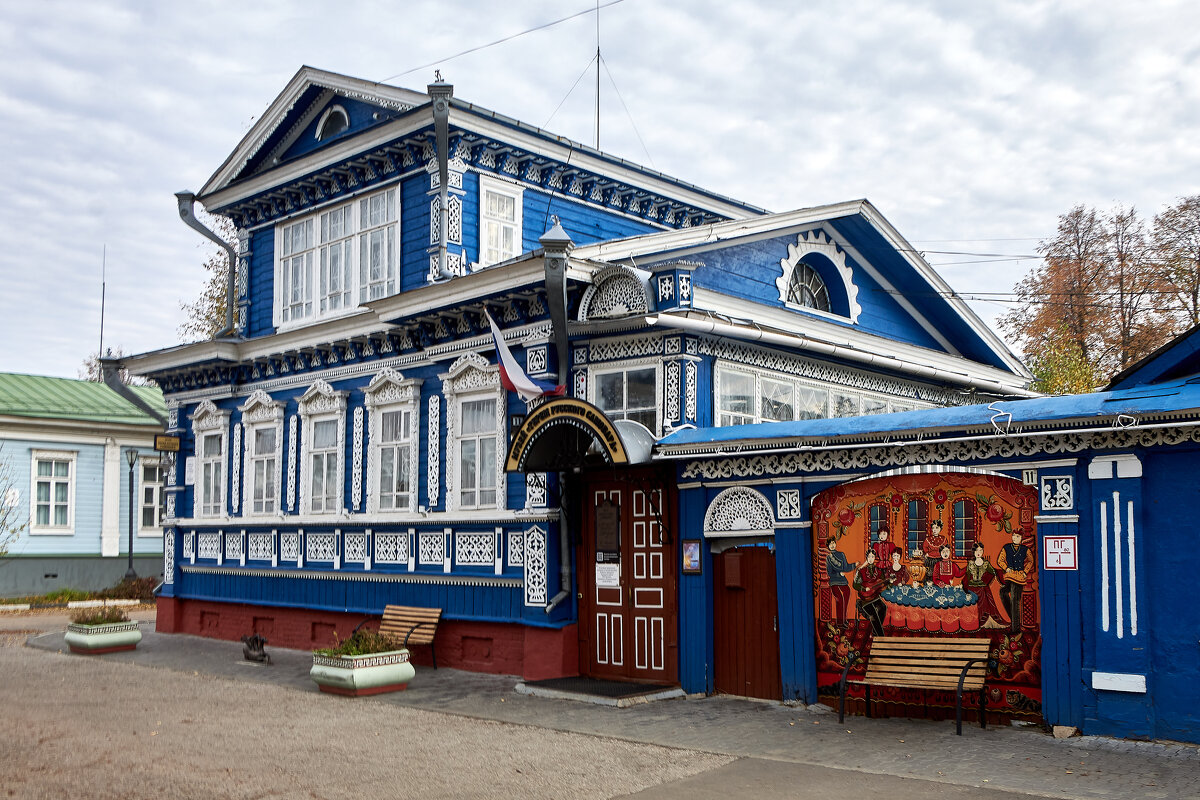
335,259
628,393
499,221
53,492
150,495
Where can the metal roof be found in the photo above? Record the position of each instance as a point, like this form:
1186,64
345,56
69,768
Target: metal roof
40,397
1126,408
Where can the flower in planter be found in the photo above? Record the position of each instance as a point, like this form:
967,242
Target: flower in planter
103,629
360,643
99,615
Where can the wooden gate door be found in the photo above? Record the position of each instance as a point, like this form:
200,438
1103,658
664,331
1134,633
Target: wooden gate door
627,615
745,624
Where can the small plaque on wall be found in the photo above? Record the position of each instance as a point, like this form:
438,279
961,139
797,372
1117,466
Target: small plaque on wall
608,527
608,575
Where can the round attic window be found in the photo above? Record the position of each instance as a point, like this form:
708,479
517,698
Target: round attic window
333,122
807,289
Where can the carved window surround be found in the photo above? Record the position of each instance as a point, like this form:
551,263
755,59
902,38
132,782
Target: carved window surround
471,377
321,402
260,411
388,391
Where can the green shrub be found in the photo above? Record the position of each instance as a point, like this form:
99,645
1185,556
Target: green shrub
64,596
360,643
99,615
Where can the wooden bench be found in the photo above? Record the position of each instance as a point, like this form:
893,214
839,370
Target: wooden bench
910,662
409,625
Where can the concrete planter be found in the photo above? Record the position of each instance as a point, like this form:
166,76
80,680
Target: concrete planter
355,676
110,637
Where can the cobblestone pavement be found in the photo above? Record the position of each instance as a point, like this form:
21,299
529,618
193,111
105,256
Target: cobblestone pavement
775,745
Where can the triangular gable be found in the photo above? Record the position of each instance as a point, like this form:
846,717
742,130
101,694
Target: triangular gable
297,110
898,293
1177,358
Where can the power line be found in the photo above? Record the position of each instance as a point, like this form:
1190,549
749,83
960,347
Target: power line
509,38
627,114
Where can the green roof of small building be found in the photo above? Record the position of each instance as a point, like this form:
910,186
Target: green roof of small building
42,397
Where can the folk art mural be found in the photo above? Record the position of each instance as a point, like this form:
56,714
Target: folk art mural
940,554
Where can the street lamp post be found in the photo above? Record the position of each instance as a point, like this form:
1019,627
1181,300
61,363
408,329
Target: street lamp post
131,456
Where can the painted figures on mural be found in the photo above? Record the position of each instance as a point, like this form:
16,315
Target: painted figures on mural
836,568
869,582
932,546
1016,563
896,573
945,571
979,579
961,564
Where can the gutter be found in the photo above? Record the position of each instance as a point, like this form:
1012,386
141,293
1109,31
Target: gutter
717,452
110,371
804,342
187,201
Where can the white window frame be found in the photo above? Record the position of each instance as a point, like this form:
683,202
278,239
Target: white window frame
594,373
157,489
858,397
308,297
319,404
471,377
488,184
390,391
208,420
259,412
71,457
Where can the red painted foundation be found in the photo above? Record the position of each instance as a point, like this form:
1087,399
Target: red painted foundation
103,650
395,687
501,648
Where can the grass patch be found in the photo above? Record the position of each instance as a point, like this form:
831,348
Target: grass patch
140,589
101,615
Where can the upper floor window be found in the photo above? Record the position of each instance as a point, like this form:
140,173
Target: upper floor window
499,221
338,258
150,495
629,394
53,492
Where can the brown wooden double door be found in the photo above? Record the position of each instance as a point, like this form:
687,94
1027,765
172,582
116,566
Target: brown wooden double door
628,584
746,623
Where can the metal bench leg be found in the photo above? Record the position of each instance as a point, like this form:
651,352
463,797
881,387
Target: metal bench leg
433,650
868,693
958,712
983,707
842,695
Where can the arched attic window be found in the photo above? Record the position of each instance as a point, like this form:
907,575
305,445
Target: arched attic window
333,121
806,288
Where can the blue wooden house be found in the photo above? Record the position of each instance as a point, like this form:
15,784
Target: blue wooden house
68,450
348,442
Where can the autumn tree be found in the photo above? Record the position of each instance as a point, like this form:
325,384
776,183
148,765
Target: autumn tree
1176,237
12,521
1093,306
206,316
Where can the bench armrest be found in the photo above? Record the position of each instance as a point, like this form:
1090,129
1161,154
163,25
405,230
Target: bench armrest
414,628
364,622
962,677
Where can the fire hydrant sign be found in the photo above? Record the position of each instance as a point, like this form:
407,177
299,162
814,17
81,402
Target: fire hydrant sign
1061,552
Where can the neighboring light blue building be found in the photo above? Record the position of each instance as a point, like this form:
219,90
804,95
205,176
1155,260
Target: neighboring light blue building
347,442
64,444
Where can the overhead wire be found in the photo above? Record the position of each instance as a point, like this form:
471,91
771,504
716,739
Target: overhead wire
593,10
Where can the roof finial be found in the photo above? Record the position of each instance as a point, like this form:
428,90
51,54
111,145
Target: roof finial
437,76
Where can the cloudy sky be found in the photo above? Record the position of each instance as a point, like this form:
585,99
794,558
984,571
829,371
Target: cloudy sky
971,126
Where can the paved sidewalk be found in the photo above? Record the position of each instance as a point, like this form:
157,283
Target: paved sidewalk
774,742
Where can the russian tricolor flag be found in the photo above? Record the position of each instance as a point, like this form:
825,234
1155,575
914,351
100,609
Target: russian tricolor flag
512,377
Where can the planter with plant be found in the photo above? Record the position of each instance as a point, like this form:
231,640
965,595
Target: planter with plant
365,663
103,629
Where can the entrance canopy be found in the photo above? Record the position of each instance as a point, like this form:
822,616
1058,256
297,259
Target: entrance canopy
566,433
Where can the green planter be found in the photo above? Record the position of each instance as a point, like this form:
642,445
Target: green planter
110,637
355,676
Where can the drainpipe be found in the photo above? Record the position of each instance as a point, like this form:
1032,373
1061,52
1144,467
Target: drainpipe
440,93
186,202
110,371
564,567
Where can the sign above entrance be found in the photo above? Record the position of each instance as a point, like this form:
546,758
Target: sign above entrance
562,433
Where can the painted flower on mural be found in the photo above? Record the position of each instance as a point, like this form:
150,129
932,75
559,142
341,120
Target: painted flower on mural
845,518
1008,653
995,513
939,497
841,646
897,501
